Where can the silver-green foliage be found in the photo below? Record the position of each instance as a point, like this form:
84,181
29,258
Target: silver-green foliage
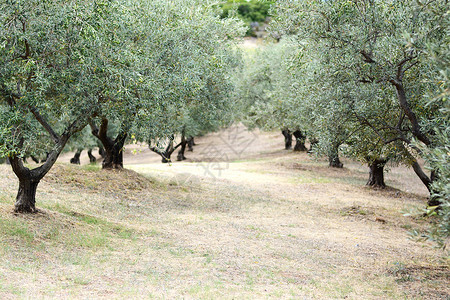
364,57
55,60
265,86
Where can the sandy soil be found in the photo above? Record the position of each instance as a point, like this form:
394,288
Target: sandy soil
237,144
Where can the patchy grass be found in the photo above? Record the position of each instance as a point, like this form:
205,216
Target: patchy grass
14,229
284,226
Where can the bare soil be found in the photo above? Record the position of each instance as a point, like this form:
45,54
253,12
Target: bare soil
239,219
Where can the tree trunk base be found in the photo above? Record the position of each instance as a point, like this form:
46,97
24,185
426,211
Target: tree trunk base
287,139
300,140
335,162
434,201
112,166
376,175
300,146
76,158
26,197
92,158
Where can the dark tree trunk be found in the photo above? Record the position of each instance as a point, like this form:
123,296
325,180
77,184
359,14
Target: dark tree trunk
427,181
76,158
46,157
190,143
180,156
376,174
287,139
165,155
114,154
416,129
113,148
26,197
92,158
34,159
101,152
299,141
29,179
333,157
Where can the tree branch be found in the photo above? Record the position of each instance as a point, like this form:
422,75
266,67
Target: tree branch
401,95
44,123
367,57
400,65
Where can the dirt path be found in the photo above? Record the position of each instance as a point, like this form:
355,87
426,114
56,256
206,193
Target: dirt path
214,154
236,222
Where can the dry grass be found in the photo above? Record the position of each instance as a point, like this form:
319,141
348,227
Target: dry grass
281,226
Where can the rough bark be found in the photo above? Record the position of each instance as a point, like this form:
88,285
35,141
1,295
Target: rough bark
376,174
190,143
287,139
299,141
114,154
166,153
92,158
26,196
113,148
180,156
29,179
101,152
333,157
76,158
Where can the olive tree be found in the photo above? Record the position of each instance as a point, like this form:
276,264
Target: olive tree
437,54
180,53
366,39
53,69
266,91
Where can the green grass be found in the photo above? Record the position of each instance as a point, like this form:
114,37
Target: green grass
92,167
10,228
91,240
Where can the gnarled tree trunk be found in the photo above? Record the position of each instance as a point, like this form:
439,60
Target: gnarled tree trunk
166,153
29,179
299,141
287,139
113,152
180,156
26,196
190,143
92,158
113,148
376,175
76,158
333,157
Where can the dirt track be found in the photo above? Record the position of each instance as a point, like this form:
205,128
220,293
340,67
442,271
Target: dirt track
252,221
239,144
